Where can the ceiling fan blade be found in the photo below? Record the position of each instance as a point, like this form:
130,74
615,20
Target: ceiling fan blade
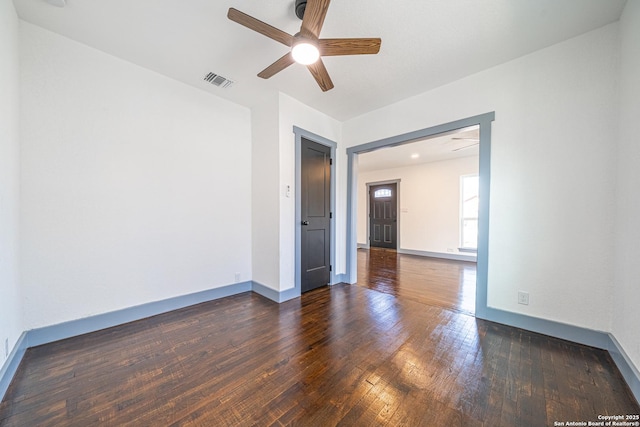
314,15
466,146
333,47
260,27
320,73
277,66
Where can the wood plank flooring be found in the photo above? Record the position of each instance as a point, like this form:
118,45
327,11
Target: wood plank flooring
344,355
433,281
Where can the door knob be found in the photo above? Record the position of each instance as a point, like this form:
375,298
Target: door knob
305,222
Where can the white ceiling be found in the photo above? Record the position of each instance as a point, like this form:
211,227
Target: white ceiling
425,43
462,143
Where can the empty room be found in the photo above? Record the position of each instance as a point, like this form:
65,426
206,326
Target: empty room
185,219
418,220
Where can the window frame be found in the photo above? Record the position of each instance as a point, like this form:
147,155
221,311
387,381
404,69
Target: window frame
462,247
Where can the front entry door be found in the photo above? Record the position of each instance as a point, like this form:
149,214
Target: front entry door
383,216
315,251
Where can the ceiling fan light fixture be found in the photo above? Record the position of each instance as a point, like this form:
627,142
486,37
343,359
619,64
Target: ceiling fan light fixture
305,52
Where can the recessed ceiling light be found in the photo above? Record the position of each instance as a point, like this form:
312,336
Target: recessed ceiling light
415,155
57,3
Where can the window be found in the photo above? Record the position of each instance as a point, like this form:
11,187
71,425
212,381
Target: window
469,212
383,192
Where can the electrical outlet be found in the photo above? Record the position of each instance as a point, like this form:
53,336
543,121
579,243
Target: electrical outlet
237,277
523,298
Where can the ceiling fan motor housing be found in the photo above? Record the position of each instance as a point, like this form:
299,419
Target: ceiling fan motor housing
300,6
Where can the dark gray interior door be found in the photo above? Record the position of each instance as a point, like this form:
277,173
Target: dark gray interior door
315,251
383,216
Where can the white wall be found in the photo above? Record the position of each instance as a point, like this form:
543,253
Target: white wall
429,214
265,182
553,157
10,304
135,187
626,322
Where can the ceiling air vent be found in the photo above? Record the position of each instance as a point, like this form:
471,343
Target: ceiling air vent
218,80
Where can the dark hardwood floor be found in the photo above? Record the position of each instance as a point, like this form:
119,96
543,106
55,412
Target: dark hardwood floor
433,281
344,355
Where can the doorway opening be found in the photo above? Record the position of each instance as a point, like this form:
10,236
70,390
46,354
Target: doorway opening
482,125
435,262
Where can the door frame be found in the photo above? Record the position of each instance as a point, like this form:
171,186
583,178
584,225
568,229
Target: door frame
484,122
299,134
369,185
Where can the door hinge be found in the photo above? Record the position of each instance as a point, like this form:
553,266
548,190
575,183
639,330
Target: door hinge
330,268
330,214
330,161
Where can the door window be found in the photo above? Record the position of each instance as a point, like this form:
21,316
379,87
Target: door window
382,192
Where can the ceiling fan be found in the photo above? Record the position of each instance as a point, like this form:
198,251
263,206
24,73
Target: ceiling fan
306,46
475,141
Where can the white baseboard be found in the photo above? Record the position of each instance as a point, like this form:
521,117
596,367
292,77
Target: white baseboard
443,255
